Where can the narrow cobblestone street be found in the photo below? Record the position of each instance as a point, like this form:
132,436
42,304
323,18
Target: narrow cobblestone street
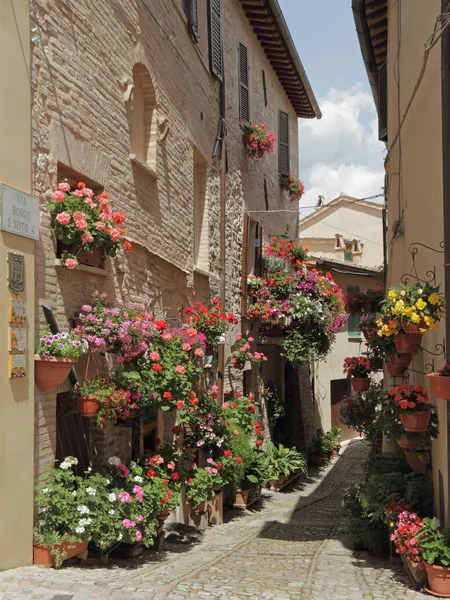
292,547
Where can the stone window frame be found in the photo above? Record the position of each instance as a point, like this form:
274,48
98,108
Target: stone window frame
144,126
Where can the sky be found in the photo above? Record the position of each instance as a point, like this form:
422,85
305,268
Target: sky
341,151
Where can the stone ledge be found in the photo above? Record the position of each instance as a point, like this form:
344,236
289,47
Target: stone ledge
140,163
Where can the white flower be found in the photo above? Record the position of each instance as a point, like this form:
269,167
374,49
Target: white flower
133,464
107,481
112,497
82,509
71,460
63,335
119,537
111,512
89,469
84,522
79,530
138,479
41,523
91,491
64,465
43,510
114,460
45,491
74,493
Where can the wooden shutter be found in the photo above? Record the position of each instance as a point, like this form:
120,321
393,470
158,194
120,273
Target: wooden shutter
244,96
283,144
215,32
258,250
264,87
382,104
245,244
193,19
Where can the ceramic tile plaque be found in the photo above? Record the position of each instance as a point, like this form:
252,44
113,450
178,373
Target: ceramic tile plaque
17,339
17,366
17,311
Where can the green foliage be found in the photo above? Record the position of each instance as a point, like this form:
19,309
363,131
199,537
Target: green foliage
279,460
387,462
201,487
323,444
432,543
355,502
306,344
368,535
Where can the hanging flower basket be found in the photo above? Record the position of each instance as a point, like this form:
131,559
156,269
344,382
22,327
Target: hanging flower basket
88,406
398,363
259,141
51,371
416,421
440,386
360,384
406,443
405,341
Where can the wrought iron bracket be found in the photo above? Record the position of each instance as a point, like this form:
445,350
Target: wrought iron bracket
430,275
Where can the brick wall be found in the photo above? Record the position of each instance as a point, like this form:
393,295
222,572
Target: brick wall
83,56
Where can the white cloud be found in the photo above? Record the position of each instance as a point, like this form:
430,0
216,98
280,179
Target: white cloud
341,152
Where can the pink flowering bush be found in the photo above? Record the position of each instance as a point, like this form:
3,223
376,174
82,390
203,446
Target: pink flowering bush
261,141
84,222
243,354
124,329
404,536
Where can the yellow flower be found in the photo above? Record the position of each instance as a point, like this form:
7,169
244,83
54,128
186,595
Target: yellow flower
379,322
408,312
415,318
421,304
392,294
399,305
434,299
430,322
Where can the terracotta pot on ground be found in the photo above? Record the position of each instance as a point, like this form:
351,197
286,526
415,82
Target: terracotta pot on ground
405,341
438,579
336,450
398,363
92,259
415,421
410,327
440,386
241,498
42,556
360,384
406,443
417,461
198,510
88,406
277,482
51,372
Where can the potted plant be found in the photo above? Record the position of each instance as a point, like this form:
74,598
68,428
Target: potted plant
85,225
211,322
259,140
200,488
242,354
259,433
55,356
50,548
87,395
280,462
440,383
413,403
368,326
435,553
296,188
335,433
359,369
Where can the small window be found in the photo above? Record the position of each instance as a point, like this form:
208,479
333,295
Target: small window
283,144
201,217
264,87
348,255
244,96
144,123
353,320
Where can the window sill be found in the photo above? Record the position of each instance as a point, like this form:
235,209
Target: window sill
357,338
200,271
140,163
86,268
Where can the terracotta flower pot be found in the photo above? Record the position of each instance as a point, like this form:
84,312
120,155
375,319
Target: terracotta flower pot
398,363
406,443
438,579
417,461
50,372
360,384
198,510
42,556
412,328
241,497
405,341
92,259
416,421
440,386
134,357
277,482
88,406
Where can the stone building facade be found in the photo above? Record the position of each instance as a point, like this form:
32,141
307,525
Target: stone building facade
124,99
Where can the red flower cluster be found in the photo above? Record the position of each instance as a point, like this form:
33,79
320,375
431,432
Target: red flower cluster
357,366
296,188
296,254
407,527
260,141
410,397
211,322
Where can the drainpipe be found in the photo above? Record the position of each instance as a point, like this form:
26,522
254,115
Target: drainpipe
445,91
223,172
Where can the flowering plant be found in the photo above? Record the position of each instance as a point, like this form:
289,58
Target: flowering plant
409,397
296,188
115,403
362,411
419,304
295,254
208,428
261,140
200,487
85,222
368,326
392,510
431,543
66,345
122,328
211,322
242,353
445,371
407,527
357,366
259,431
240,410
354,302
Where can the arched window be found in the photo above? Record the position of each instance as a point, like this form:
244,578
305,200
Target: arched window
144,123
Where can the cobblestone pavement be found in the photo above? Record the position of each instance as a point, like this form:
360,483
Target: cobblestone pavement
292,547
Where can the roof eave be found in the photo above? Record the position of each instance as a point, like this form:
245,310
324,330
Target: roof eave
365,43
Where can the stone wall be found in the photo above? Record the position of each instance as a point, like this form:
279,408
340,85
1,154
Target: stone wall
83,55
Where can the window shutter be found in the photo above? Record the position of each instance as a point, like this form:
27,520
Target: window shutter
244,97
264,87
245,243
382,104
283,144
193,19
216,46
258,250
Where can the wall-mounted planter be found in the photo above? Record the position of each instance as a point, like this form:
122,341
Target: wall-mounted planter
50,372
405,341
406,443
440,386
398,363
88,406
360,384
415,422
